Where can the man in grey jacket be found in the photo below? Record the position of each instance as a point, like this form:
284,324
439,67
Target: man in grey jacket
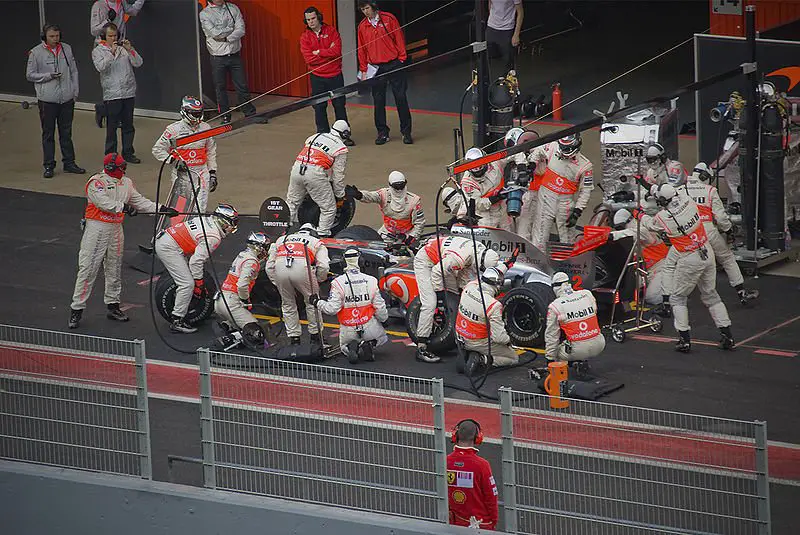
115,60
54,73
104,11
223,26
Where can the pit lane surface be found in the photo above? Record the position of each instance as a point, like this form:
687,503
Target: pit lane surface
40,239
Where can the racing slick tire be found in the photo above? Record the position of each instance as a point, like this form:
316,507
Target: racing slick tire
200,308
359,232
265,296
525,313
443,335
309,213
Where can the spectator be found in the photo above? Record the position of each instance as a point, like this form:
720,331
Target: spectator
382,49
471,490
502,30
116,11
321,46
223,26
115,60
56,91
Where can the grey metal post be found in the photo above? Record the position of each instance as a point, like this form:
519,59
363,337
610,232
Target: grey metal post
207,420
509,470
143,411
440,440
762,474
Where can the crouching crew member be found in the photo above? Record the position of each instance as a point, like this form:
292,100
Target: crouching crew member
574,313
471,489
233,302
356,300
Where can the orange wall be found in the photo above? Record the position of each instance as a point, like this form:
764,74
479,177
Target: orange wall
271,46
769,14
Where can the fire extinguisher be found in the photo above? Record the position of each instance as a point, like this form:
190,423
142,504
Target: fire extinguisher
557,115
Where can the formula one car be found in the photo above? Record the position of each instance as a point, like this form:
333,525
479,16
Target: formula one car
592,263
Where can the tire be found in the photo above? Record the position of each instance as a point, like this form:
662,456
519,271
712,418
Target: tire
525,313
443,335
601,218
360,233
265,295
199,309
309,213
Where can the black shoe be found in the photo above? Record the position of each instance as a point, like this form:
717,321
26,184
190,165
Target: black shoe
294,340
407,139
74,169
382,139
179,325
367,351
352,352
226,119
75,318
580,368
48,172
349,142
726,341
114,313
131,159
424,356
746,295
475,362
684,343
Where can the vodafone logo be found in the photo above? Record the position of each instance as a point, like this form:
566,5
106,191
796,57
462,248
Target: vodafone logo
463,322
193,154
583,326
559,181
355,313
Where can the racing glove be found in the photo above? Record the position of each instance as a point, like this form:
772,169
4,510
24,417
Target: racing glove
573,217
313,299
168,211
513,258
440,299
353,191
130,210
213,184
494,199
199,288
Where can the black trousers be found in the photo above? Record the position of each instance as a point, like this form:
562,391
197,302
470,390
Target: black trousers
323,85
51,114
220,67
499,43
120,112
399,84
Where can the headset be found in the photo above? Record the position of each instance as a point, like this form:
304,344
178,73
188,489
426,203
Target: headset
104,31
454,434
47,27
316,11
112,165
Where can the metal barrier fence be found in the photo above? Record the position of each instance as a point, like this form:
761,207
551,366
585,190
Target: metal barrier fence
74,401
610,469
325,435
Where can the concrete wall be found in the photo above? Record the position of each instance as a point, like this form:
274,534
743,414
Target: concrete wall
43,500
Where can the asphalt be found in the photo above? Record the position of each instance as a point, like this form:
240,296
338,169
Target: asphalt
760,381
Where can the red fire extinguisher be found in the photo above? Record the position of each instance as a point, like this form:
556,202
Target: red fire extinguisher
557,115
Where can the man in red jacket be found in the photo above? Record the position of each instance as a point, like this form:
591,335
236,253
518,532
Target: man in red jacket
321,46
471,490
381,49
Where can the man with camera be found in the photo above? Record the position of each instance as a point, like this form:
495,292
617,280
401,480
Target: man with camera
114,11
115,59
54,72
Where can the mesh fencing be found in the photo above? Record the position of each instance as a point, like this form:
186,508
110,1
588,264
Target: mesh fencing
74,401
325,435
610,469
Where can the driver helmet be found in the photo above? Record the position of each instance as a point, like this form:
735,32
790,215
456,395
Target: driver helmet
227,218
568,146
258,242
488,259
476,153
560,284
192,110
621,218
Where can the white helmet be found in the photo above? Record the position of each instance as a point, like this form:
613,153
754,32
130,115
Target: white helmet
489,259
512,136
493,277
450,198
656,155
341,128
351,258
663,193
476,153
227,217
258,242
560,283
621,218
397,180
310,229
702,172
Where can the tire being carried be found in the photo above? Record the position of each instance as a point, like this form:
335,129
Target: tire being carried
309,213
199,309
525,313
443,334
